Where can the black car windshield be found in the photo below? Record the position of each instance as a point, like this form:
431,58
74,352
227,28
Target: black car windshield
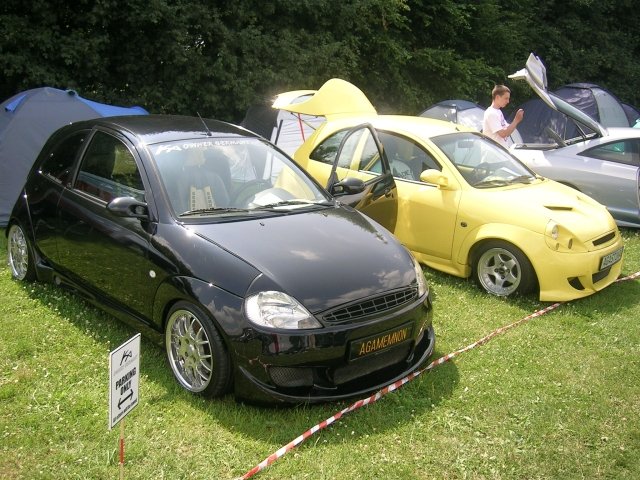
233,177
482,162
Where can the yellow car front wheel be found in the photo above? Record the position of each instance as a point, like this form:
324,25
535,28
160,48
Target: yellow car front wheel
502,269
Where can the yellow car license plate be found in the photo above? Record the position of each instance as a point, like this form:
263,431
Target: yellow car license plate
610,259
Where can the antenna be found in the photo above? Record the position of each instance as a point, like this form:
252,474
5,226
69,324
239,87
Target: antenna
209,134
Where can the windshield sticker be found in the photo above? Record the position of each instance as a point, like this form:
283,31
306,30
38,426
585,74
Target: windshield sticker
201,145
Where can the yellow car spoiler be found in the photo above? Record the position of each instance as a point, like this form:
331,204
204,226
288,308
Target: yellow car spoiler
335,97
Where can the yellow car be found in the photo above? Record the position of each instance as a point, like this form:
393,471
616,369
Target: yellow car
460,202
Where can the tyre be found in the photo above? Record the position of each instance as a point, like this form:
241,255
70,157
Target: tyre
196,352
20,254
502,269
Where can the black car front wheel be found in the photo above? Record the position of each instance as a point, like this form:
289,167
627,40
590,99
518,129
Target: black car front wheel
196,352
502,269
20,254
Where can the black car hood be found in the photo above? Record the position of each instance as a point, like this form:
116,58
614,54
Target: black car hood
322,258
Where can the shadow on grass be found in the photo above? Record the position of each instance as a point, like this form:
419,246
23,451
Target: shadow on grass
619,296
281,424
419,397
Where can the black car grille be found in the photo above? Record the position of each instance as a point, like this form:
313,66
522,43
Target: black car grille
372,364
372,306
596,277
292,377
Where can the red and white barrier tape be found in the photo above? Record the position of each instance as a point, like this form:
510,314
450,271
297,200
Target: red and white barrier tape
629,277
394,386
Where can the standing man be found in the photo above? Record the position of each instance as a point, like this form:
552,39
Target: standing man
494,125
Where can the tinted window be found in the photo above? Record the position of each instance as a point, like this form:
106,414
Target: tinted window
327,150
59,163
626,152
108,170
359,152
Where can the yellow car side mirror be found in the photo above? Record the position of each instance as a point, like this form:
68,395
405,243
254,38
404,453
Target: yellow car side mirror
436,177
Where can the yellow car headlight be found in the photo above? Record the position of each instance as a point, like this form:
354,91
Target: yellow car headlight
561,239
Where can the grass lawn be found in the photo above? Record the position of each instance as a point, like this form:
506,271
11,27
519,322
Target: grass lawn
556,397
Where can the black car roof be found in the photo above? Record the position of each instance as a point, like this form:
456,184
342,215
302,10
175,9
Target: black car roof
164,128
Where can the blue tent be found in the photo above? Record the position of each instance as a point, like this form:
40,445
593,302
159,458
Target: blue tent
27,120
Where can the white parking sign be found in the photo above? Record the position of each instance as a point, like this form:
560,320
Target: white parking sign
124,375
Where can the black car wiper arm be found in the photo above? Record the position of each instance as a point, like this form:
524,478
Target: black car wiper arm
284,203
199,211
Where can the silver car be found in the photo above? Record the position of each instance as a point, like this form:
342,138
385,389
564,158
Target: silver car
603,163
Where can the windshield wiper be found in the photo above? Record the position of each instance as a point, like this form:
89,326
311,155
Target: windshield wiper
498,182
201,211
285,203
522,179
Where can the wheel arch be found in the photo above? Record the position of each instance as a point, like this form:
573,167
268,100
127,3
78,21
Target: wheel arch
514,235
204,295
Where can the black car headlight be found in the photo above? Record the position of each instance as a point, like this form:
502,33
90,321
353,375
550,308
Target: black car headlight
274,309
422,282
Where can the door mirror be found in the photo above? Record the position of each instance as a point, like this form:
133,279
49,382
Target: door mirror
436,177
348,186
128,207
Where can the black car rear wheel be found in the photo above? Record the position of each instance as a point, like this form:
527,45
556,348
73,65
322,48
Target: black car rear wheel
502,269
20,254
196,352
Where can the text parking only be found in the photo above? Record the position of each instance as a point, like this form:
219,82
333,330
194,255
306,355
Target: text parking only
124,376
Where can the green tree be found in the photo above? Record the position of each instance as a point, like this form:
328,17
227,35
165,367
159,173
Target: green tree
217,57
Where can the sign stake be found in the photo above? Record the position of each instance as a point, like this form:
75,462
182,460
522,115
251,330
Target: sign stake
124,380
122,449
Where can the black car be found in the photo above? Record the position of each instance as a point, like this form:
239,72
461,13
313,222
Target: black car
217,244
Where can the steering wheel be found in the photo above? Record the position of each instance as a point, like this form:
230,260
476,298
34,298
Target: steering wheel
480,171
248,190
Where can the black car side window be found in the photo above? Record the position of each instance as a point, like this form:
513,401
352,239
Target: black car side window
59,163
108,170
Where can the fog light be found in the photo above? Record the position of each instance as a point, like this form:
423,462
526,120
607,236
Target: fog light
291,377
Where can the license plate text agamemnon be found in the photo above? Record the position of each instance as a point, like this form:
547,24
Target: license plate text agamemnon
375,343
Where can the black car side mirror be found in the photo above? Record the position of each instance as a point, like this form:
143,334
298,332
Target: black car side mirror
348,186
128,207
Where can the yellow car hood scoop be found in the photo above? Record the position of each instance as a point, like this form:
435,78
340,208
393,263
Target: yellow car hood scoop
560,208
582,214
548,200
335,97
